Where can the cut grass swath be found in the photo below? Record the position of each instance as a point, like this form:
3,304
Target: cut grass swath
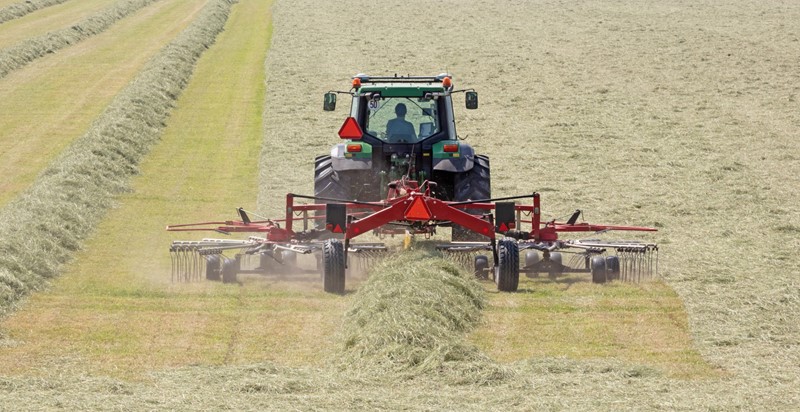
411,318
29,50
70,197
146,322
51,18
55,102
22,8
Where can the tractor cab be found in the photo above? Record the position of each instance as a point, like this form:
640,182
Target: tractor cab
398,126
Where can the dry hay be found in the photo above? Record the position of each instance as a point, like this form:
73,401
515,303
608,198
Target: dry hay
648,115
655,115
45,225
411,317
24,52
22,8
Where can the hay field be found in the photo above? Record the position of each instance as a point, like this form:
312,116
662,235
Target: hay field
682,116
53,101
47,19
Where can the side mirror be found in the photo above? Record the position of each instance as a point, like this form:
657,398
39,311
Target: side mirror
330,102
472,100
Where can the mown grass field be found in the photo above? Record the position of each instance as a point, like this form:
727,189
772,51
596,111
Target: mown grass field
681,116
55,99
48,19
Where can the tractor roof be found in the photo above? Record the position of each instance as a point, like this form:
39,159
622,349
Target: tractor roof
400,86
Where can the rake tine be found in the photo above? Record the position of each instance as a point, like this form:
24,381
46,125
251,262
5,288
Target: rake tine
172,260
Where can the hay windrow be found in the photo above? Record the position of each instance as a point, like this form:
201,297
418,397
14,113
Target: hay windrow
46,224
17,10
411,317
19,55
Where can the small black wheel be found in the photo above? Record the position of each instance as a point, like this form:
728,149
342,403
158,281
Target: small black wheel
289,258
598,266
230,267
532,258
612,265
556,268
481,266
506,273
212,267
266,262
333,266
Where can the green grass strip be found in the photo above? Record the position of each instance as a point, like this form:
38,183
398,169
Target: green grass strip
411,318
40,230
24,52
22,8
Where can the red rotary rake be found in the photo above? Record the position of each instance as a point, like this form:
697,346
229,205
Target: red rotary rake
413,208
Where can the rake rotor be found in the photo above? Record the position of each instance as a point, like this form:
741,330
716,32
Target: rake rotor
411,208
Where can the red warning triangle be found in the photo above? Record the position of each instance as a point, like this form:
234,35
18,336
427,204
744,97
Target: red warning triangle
350,129
334,229
418,210
503,228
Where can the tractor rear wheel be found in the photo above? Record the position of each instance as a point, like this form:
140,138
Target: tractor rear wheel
598,267
327,182
344,185
333,266
506,273
230,267
474,184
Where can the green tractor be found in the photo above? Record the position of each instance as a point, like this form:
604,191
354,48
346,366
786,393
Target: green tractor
402,127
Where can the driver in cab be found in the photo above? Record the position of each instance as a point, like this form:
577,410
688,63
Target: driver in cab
400,130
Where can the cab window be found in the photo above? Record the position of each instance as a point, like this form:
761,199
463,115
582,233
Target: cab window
402,119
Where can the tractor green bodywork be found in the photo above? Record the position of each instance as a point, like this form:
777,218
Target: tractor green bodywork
408,129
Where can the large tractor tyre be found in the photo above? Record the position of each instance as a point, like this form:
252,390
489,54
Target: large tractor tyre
532,259
598,266
475,184
333,266
612,265
507,271
327,182
344,185
481,266
556,265
230,267
213,268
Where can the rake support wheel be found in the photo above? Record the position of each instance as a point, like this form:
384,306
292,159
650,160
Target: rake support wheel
598,266
213,267
229,269
612,265
506,273
481,266
532,259
333,266
556,268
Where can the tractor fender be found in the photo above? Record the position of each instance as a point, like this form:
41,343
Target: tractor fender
460,161
341,160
